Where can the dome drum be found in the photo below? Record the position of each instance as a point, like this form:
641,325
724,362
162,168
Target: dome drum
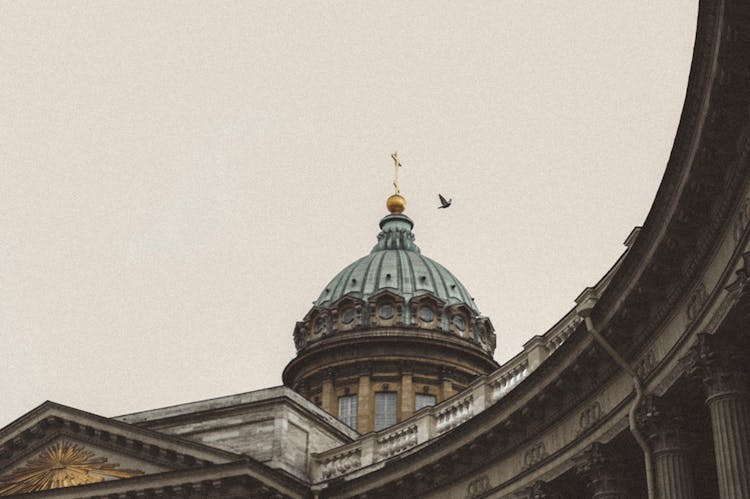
400,361
365,347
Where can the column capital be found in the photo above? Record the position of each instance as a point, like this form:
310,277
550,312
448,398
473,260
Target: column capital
596,458
721,365
538,490
603,470
667,430
665,426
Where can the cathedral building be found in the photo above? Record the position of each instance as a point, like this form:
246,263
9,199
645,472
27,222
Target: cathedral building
641,391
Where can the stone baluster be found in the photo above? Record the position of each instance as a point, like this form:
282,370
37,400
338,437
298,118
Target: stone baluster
604,473
723,369
667,433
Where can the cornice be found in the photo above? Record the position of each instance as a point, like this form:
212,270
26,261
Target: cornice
50,418
325,420
222,480
314,357
706,176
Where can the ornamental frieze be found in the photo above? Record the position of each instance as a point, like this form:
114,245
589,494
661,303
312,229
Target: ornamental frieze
535,454
741,221
478,487
645,365
589,416
697,298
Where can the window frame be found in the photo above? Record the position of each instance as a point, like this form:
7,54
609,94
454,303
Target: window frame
352,409
389,413
417,397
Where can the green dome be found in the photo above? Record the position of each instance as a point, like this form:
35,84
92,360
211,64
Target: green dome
395,287
396,264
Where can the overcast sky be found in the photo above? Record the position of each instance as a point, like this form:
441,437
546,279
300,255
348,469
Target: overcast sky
178,181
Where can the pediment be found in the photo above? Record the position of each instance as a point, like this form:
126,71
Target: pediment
349,299
387,293
66,462
427,297
57,446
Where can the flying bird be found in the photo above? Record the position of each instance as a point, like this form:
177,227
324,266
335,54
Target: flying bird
443,202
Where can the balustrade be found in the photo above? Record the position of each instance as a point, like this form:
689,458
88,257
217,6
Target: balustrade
436,420
340,463
395,442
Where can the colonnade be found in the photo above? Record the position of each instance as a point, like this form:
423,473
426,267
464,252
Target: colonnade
723,370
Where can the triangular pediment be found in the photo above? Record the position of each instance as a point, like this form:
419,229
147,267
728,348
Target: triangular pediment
57,446
66,462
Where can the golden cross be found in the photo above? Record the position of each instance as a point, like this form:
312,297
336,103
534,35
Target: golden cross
396,166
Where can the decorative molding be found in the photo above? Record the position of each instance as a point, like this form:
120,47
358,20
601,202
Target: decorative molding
603,470
719,364
645,365
589,416
534,455
696,301
741,220
478,487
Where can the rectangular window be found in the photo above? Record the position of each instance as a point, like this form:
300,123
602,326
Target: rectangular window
423,401
348,411
385,410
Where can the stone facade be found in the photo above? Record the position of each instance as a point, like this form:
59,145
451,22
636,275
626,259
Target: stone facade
275,426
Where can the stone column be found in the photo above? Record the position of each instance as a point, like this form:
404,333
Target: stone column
722,366
364,409
668,437
407,394
446,389
328,395
603,472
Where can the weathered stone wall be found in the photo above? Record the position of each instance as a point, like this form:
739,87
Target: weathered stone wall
275,426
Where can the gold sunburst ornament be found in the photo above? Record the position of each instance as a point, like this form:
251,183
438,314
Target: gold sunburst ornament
62,464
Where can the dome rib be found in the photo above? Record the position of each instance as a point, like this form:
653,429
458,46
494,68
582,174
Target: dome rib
403,267
418,266
430,267
372,275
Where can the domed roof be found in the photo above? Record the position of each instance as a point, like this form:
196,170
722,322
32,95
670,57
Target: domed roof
396,264
395,287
